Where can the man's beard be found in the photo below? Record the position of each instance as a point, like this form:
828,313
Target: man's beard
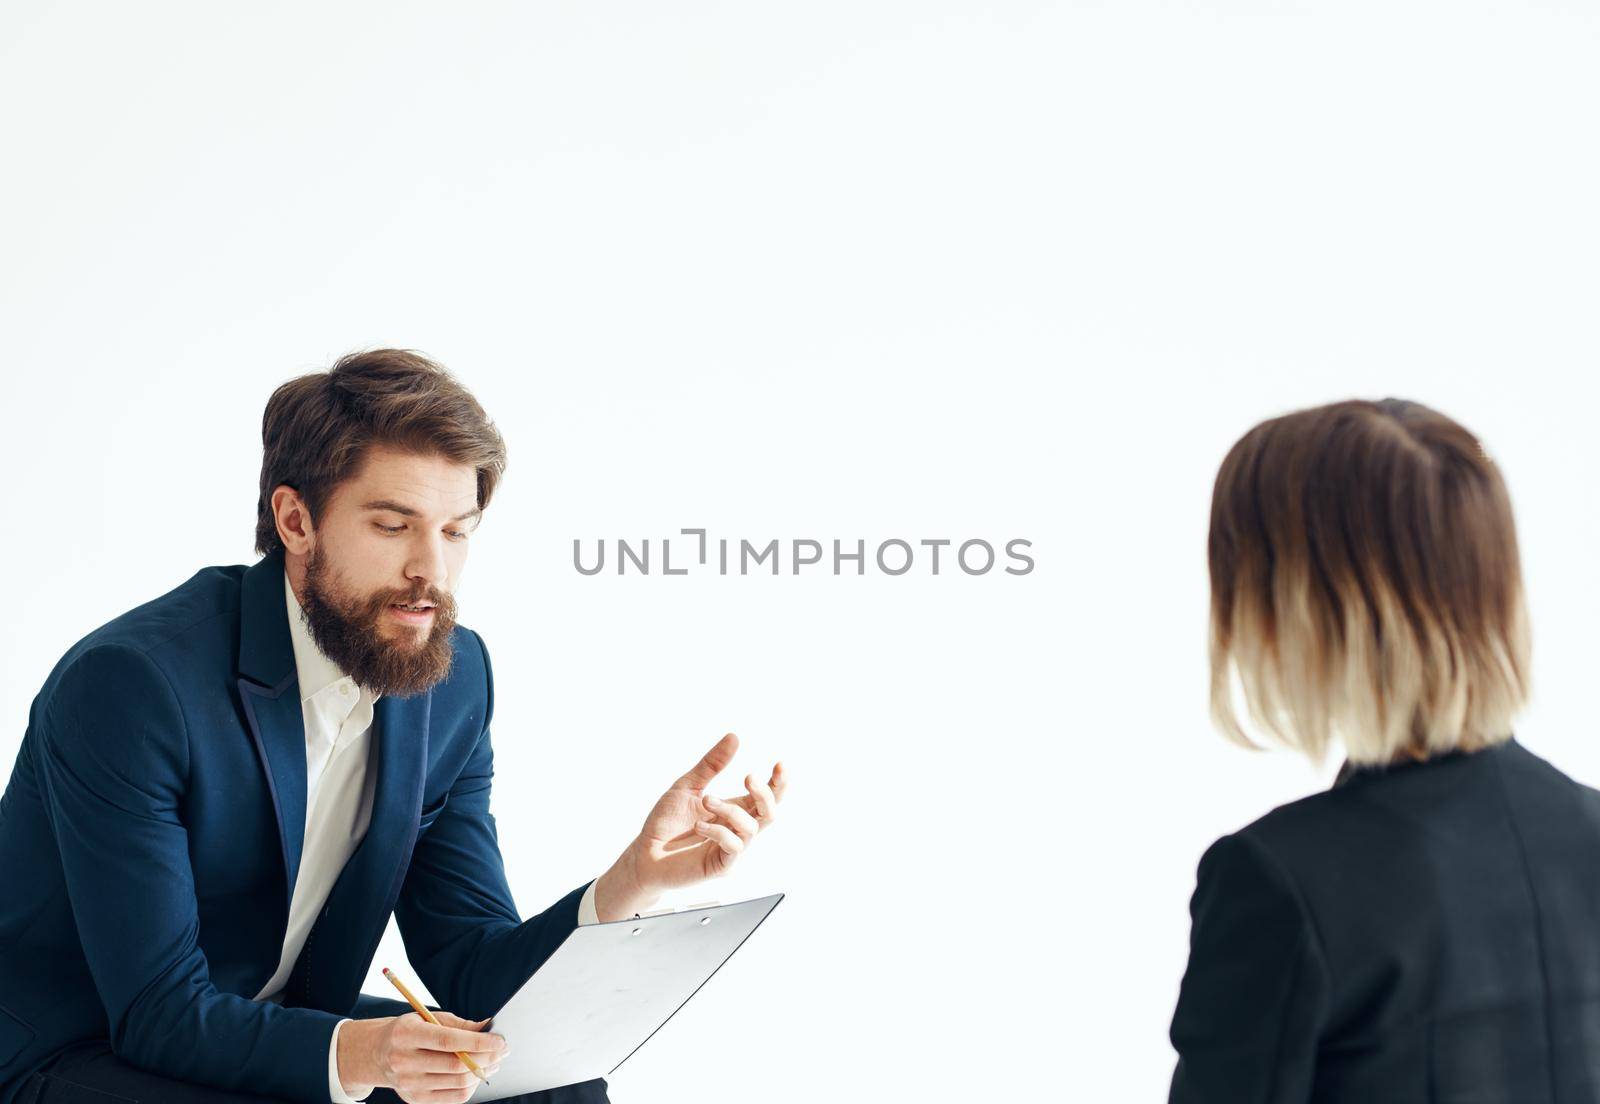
349,632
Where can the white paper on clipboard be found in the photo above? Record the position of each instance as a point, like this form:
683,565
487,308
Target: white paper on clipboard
608,988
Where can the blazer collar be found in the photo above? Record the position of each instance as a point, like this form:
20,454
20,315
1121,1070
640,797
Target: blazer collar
1358,772
266,653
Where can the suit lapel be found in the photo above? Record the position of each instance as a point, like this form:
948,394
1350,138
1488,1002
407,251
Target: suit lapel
330,969
401,728
269,693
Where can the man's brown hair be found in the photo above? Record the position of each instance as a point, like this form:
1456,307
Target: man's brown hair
317,428
1366,584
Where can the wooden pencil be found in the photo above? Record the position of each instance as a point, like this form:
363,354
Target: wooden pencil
425,1014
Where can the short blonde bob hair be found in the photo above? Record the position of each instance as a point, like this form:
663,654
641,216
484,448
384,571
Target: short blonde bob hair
1365,583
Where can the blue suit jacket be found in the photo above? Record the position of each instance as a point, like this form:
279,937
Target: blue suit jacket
151,832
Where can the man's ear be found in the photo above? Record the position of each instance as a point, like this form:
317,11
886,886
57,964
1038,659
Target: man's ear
295,529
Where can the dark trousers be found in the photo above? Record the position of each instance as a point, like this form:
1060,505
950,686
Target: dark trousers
88,1073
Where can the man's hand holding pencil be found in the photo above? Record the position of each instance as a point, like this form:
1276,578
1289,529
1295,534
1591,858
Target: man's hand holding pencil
420,1061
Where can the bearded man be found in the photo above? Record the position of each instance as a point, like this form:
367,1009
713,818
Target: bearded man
224,793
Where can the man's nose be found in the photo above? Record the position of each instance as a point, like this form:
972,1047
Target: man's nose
427,569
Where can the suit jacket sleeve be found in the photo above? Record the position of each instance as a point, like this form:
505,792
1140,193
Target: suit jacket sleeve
456,916
1253,997
114,762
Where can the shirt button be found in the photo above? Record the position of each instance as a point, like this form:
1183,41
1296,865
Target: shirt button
345,689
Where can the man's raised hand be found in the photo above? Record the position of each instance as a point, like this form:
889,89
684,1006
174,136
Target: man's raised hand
689,834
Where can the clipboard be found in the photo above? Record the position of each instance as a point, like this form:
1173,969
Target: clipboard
608,988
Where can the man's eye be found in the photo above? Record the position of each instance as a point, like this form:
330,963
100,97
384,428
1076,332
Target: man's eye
453,534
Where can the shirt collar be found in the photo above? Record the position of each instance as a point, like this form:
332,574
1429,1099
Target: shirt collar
315,670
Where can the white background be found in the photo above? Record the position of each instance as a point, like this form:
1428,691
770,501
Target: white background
832,270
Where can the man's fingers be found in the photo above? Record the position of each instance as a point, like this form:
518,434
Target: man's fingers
444,1087
722,837
762,799
450,1019
778,783
743,824
454,1038
438,1061
712,762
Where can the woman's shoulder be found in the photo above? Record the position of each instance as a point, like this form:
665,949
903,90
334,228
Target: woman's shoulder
1376,815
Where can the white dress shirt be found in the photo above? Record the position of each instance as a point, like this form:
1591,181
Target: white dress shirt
340,778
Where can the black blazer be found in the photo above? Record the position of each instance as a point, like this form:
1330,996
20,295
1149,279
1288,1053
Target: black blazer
1426,932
